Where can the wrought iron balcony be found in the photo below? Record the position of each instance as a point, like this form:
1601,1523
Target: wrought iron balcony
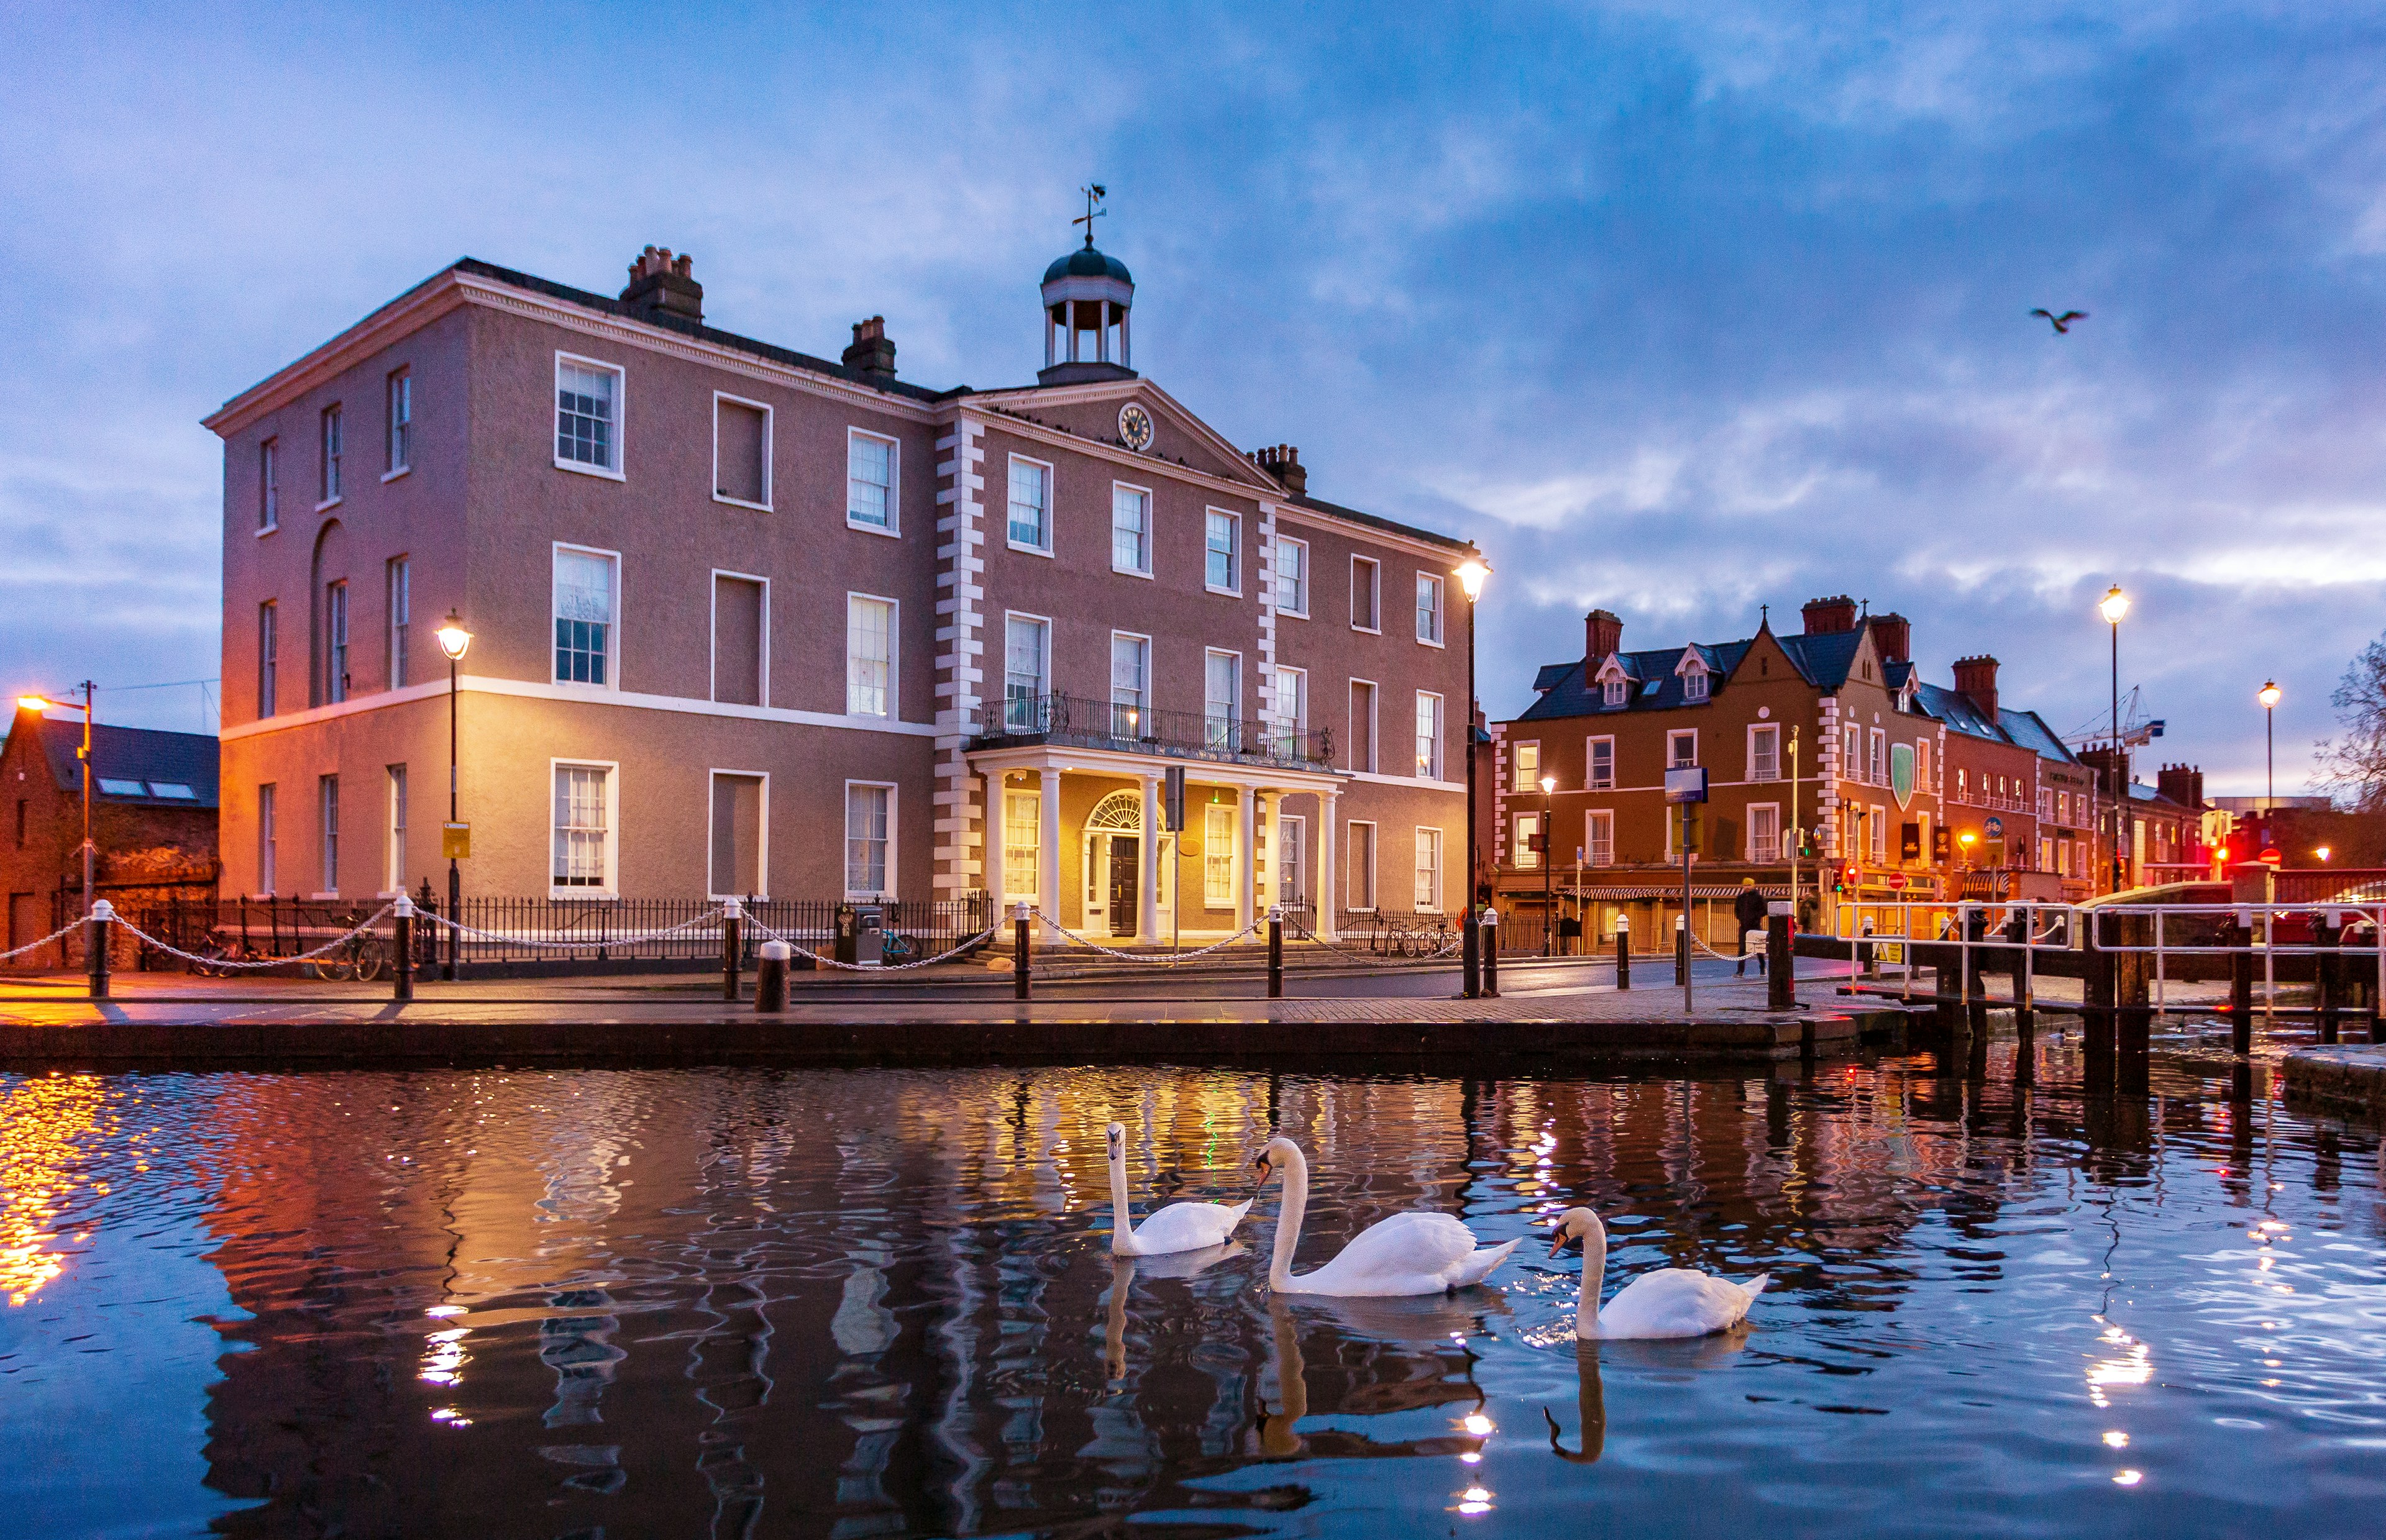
1083,722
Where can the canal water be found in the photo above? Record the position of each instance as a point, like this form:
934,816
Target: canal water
881,1303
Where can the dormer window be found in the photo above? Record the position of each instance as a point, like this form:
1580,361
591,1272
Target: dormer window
1616,691
1695,684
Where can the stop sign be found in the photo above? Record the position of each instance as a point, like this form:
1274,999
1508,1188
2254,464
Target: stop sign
1896,882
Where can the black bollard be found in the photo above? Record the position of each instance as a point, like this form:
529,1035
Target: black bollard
1275,954
771,977
1019,974
1470,958
94,941
1681,950
1490,954
1779,967
401,942
2328,977
2241,987
730,914
1623,952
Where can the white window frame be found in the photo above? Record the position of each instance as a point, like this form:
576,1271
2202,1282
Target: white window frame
1044,663
1052,486
398,604
331,456
845,833
1877,842
1291,707
1441,730
269,484
1429,877
1615,692
1151,532
394,780
1234,559
713,603
1518,781
268,658
398,426
1674,733
1022,878
1752,851
612,630
268,844
1876,758
1592,822
1306,580
610,886
1142,707
614,472
894,656
761,832
1756,732
1289,853
1440,609
893,528
1366,902
336,618
1374,713
1218,869
1590,779
770,448
1374,590
1922,765
1695,686
1209,722
327,834
1521,854
1851,754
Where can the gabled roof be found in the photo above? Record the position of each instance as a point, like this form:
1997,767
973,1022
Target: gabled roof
2020,729
162,765
1656,687
2030,729
1824,659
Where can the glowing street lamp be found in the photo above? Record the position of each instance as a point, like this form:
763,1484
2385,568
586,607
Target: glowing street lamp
455,641
89,851
2115,604
2269,699
1471,575
1549,864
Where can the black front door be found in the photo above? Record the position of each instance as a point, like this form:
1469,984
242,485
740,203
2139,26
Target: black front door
1126,895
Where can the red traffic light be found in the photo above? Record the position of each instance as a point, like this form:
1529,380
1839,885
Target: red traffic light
2270,855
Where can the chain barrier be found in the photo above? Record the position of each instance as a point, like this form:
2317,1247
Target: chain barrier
68,929
710,917
977,940
1168,962
329,946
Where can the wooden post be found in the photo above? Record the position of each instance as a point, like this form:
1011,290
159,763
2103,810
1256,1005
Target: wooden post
2328,975
1019,974
2241,985
731,912
2098,1029
1780,966
1623,951
1276,952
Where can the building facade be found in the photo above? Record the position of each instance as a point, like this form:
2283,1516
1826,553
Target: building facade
745,621
153,820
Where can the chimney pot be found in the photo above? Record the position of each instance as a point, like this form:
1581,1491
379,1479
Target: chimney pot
1976,680
663,284
1892,634
871,351
1831,616
1603,633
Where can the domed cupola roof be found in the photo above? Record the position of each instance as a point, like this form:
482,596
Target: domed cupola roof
1085,262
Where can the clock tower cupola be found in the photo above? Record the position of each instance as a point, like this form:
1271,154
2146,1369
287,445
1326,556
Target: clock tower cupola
1087,297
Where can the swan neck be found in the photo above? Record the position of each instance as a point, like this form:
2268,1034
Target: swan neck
1594,1282
1121,1229
1288,1218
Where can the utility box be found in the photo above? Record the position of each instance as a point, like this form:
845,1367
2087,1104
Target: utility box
860,935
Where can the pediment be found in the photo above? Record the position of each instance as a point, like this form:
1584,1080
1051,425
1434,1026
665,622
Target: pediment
1092,412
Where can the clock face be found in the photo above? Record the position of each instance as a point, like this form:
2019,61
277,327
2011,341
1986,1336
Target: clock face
1135,427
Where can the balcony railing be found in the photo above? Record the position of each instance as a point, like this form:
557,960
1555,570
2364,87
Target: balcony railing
1088,723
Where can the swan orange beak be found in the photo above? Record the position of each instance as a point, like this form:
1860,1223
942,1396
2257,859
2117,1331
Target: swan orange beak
1558,1242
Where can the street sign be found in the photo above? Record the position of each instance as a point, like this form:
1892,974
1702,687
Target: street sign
1686,784
1897,881
1996,827
454,841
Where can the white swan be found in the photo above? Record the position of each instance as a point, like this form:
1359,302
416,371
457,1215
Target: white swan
1178,1227
1408,1254
1670,1302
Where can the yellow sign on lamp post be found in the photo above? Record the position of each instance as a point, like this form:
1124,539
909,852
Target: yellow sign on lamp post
454,841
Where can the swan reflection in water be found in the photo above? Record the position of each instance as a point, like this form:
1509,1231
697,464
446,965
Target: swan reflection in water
1124,1271
1696,1354
1370,1366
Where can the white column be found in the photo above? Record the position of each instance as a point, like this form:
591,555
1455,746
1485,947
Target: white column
996,880
1271,872
1329,872
1245,810
1048,849
1147,922
1126,350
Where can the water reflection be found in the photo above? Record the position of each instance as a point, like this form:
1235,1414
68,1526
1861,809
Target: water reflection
882,1302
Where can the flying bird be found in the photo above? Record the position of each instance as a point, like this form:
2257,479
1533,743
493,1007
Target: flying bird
2062,323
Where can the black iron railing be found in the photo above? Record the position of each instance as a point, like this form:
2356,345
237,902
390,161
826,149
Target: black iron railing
1088,723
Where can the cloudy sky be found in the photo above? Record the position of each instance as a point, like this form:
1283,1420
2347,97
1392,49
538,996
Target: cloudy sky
1679,309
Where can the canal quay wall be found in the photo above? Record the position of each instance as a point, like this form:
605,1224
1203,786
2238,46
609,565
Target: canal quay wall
197,1031
2346,1078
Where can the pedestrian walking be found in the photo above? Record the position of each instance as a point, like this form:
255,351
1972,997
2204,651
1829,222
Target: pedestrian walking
1748,911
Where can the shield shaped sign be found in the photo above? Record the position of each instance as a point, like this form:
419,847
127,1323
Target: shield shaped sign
1901,772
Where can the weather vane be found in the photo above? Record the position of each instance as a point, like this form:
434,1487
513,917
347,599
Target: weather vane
1095,192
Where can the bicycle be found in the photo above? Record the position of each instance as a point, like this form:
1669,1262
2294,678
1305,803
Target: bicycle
361,958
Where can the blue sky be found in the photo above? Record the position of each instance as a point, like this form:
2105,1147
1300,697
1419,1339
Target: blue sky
1677,308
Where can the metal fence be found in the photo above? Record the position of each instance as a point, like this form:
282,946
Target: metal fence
1091,723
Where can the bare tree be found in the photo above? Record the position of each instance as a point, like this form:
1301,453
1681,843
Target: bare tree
2353,764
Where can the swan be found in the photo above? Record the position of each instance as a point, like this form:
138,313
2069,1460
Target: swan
1178,1227
1408,1254
1670,1302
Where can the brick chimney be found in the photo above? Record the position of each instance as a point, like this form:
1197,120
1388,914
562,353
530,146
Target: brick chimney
871,351
1828,617
1976,680
1894,635
660,285
1282,462
2182,783
1603,633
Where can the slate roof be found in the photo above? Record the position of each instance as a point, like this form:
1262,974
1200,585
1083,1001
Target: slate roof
2020,729
1572,689
138,755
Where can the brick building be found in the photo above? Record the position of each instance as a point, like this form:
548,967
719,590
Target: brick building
153,820
751,622
2019,807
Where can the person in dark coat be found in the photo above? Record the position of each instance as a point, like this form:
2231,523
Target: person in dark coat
1748,911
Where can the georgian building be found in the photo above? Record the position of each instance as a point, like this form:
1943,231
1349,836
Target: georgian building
750,621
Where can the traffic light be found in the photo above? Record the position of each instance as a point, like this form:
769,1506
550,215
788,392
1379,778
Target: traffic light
1844,878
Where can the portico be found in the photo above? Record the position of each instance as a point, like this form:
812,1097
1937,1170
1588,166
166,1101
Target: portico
1081,833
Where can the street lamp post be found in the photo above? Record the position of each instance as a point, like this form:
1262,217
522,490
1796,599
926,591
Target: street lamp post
454,640
1471,573
2269,699
1549,866
2116,604
90,849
